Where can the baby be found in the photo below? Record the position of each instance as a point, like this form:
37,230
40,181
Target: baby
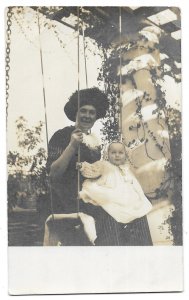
111,185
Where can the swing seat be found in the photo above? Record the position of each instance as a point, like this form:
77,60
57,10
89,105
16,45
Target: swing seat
75,229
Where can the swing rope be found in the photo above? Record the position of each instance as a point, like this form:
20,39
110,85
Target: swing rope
43,84
119,100
120,78
45,109
84,52
86,78
78,109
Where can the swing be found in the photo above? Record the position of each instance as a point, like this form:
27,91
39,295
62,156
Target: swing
77,223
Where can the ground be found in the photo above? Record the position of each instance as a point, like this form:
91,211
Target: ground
25,228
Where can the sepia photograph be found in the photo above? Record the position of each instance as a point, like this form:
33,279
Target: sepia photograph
94,138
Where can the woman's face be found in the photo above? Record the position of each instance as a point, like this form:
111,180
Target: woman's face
86,117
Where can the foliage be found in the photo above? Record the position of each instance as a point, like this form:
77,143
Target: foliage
175,167
26,166
110,128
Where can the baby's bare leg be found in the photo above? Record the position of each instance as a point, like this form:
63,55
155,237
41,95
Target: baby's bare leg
89,226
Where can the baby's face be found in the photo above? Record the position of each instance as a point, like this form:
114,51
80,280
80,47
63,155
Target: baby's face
116,154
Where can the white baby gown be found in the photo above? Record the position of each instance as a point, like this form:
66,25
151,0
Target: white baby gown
117,191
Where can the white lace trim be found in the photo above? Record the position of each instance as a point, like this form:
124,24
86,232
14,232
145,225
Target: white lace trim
91,141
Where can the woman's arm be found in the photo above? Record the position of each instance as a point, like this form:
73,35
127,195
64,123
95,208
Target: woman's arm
60,165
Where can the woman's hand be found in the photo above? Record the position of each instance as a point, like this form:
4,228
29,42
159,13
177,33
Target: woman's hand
76,138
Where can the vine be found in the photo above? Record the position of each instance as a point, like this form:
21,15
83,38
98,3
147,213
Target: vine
174,165
171,183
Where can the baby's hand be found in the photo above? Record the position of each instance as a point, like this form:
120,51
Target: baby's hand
90,170
78,166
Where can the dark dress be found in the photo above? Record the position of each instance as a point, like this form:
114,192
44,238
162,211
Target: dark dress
64,199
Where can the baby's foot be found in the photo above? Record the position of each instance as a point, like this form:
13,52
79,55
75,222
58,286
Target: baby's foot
89,226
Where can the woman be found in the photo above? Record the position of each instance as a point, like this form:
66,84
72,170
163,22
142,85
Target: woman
61,164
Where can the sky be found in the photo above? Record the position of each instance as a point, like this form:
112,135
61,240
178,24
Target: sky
60,72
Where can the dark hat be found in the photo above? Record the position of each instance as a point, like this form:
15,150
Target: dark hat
92,96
